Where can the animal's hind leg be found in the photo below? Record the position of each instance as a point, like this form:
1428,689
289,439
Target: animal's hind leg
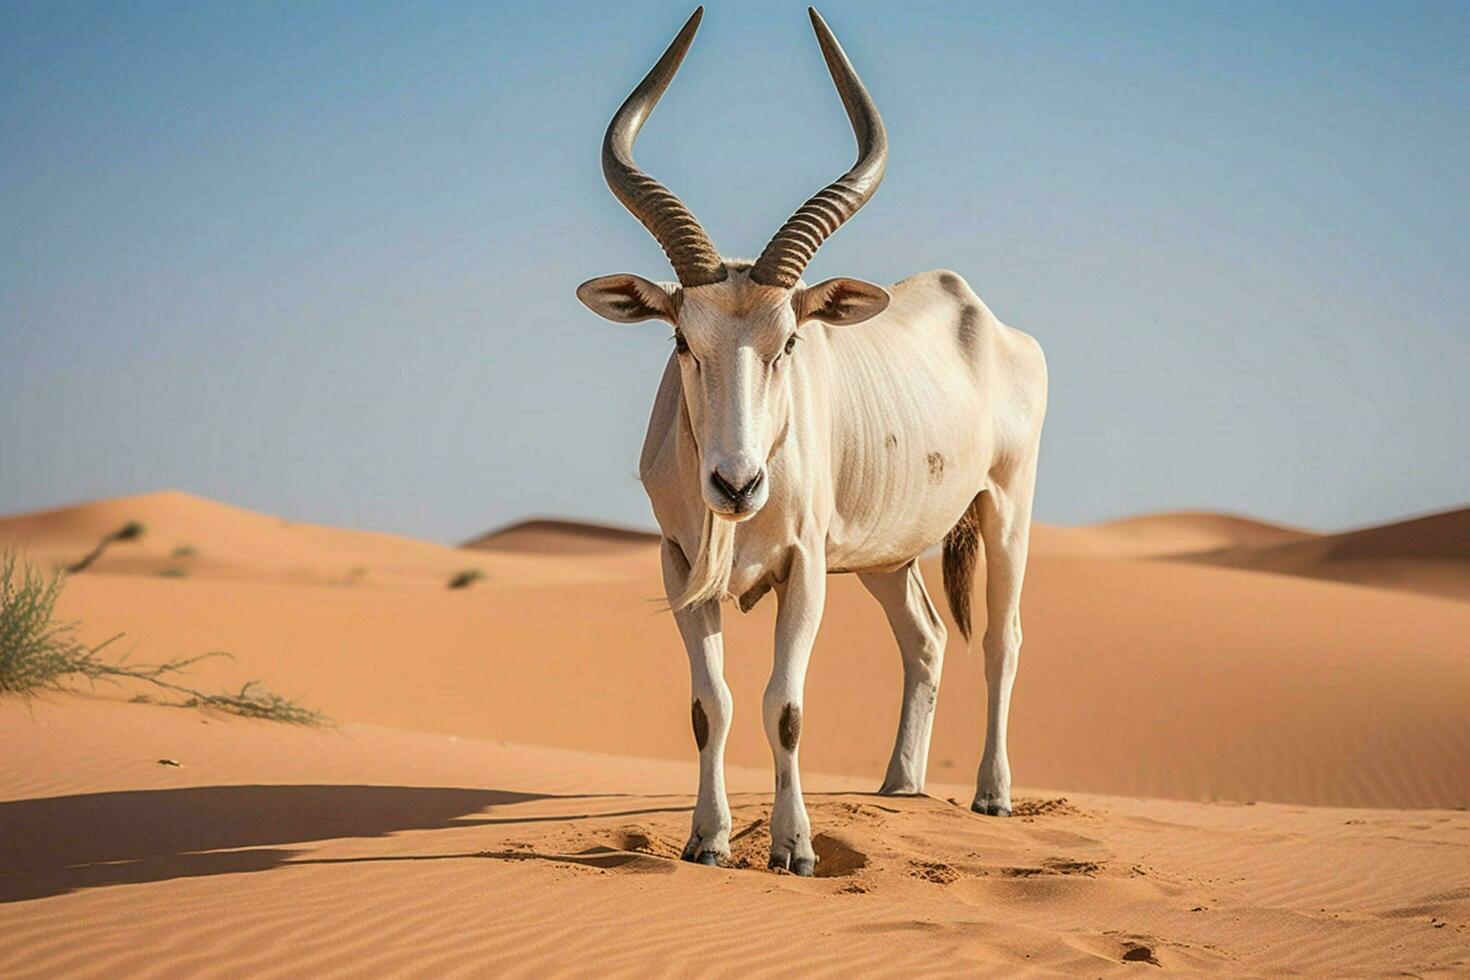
920,634
1005,526
709,709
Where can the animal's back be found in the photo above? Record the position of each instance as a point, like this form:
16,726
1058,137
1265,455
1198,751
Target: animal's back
928,399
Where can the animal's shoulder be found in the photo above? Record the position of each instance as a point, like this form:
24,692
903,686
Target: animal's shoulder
944,299
943,292
940,302
940,282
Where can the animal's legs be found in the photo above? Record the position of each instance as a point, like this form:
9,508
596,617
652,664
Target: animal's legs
710,708
800,598
1005,526
920,634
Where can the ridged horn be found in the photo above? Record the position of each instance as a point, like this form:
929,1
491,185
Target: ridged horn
690,252
787,255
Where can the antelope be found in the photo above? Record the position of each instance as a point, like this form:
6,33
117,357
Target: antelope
801,431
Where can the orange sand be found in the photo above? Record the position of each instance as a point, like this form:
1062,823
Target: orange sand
416,839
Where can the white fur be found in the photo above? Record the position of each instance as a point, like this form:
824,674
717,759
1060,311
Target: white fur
708,579
875,438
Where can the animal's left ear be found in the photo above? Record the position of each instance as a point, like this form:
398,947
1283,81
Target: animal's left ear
840,302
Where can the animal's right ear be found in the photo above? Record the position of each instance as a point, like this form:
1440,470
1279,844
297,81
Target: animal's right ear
625,298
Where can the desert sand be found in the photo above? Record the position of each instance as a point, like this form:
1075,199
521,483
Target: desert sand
1240,748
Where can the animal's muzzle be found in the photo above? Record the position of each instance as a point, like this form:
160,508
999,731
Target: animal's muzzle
738,494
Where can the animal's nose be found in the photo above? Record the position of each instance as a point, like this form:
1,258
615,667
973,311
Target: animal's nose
737,488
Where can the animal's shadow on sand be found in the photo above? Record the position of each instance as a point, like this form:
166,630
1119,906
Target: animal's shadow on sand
61,844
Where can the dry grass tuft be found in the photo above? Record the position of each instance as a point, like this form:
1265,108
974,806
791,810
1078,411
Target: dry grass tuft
131,531
466,578
40,653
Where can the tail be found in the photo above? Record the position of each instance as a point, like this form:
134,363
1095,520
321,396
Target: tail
709,573
961,551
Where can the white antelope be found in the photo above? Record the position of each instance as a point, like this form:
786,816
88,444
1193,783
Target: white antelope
788,443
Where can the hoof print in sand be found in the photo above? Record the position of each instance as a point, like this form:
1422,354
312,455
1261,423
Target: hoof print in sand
936,872
837,858
1058,807
1140,954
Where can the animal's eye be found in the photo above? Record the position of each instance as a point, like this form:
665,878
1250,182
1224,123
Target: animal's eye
791,343
680,344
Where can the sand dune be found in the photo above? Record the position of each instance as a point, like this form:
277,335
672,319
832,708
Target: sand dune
1154,680
191,537
1271,687
1151,536
1161,536
1430,555
276,852
562,538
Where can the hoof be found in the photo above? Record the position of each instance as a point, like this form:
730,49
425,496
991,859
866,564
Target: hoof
803,867
707,858
991,808
900,790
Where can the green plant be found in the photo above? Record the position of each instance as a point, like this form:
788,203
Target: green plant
184,551
39,652
251,701
130,531
466,578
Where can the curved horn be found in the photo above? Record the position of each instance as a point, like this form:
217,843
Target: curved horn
693,257
787,255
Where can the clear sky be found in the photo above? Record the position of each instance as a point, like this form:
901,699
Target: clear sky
318,259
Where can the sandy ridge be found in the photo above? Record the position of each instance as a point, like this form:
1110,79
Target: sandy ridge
285,853
421,838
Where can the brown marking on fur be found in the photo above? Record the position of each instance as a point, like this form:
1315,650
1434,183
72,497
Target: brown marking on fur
961,551
790,727
752,595
936,467
891,442
952,285
967,331
630,304
783,780
701,725
838,303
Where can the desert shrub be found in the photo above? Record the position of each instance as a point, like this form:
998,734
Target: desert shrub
38,652
184,551
466,578
173,572
131,531
35,649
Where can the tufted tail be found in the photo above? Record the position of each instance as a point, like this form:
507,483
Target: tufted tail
961,551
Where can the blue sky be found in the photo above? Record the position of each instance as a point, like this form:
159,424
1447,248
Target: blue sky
319,259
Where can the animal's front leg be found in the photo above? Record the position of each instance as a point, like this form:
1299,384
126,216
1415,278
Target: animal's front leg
709,710
800,613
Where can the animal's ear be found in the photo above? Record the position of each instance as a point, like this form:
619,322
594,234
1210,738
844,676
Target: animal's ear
625,298
840,301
